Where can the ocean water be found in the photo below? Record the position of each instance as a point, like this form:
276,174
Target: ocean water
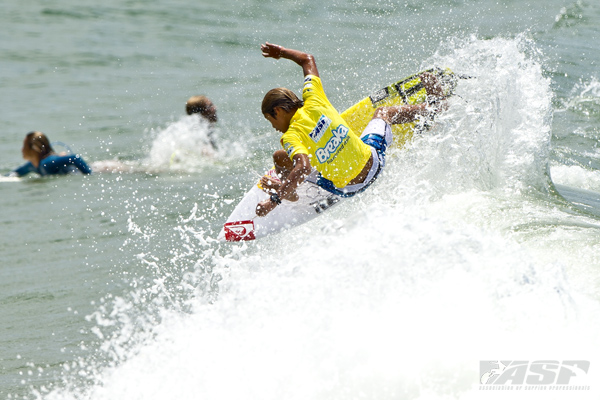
481,240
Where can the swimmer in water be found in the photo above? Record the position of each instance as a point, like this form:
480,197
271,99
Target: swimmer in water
42,159
205,108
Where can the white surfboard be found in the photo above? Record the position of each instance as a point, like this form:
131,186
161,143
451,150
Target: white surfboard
10,179
244,224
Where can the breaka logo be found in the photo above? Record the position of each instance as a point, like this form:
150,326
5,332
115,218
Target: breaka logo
333,144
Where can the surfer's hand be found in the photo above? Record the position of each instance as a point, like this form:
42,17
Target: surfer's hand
265,207
271,50
269,184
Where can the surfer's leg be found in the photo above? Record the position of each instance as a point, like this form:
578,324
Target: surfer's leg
400,114
432,85
411,112
408,113
271,182
283,164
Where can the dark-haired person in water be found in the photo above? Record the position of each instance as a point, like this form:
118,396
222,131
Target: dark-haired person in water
42,159
205,108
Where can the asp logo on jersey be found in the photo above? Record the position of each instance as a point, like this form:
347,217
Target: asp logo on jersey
289,149
320,129
333,144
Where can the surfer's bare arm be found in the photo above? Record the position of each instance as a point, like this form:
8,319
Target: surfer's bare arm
305,60
287,190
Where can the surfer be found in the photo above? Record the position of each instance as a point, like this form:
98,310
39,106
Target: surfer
205,108
190,137
315,135
42,159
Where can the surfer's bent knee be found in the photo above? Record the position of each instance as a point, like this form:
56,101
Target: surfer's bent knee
283,164
382,113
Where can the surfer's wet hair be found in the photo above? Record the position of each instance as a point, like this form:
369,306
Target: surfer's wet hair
280,97
39,143
203,106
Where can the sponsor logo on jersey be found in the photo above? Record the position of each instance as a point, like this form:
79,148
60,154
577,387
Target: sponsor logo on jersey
289,149
307,83
320,129
333,144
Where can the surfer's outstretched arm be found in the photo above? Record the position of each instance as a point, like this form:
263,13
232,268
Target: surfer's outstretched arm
305,60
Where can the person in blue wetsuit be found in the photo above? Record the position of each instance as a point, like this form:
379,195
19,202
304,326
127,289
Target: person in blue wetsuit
43,160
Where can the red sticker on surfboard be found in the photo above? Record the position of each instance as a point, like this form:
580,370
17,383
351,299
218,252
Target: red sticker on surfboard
239,230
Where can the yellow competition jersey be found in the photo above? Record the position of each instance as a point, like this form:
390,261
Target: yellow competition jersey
318,130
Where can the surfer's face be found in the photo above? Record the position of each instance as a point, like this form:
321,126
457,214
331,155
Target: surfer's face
28,153
280,121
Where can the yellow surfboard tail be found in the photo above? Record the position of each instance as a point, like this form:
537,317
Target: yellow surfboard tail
409,90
